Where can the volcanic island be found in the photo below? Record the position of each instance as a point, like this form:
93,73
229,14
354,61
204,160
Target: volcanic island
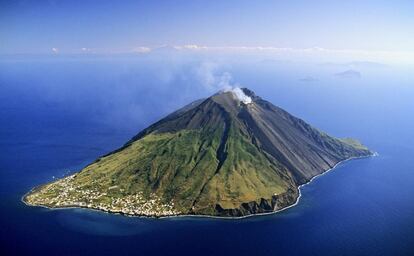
233,154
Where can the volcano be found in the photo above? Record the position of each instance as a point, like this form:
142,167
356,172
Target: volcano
219,156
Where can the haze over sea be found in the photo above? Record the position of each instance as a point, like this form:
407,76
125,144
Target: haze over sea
59,114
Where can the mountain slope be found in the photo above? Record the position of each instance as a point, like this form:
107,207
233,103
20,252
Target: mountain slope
216,156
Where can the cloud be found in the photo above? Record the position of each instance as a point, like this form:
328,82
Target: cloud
205,74
211,77
247,48
55,50
142,49
228,48
191,47
312,53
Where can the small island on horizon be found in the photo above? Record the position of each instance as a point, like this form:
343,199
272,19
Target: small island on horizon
233,154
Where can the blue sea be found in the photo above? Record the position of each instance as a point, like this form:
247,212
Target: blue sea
56,116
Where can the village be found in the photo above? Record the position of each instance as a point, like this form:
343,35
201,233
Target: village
63,193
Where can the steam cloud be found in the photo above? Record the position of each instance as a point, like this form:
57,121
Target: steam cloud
222,82
240,95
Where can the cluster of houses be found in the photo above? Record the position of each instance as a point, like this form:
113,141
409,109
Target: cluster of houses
64,193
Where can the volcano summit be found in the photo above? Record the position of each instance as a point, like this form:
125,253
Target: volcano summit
220,156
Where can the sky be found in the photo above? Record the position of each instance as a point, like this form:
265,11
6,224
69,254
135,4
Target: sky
65,27
186,50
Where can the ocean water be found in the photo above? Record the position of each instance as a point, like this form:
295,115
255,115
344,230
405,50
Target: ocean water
56,117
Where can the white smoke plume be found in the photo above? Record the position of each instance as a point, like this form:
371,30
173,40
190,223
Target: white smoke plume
226,85
207,73
240,95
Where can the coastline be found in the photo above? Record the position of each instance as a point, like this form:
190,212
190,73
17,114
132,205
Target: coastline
374,154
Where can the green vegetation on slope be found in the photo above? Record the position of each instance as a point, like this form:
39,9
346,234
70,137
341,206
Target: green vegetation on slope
182,167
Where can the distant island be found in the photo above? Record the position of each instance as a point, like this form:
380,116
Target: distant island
349,74
230,155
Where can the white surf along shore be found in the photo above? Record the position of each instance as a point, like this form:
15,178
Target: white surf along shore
210,216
